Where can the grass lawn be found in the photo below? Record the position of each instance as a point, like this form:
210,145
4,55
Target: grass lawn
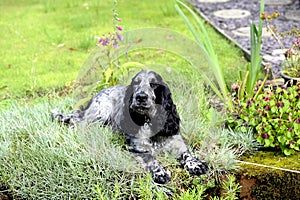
44,43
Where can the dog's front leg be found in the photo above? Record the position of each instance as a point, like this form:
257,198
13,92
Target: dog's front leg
71,119
142,150
193,165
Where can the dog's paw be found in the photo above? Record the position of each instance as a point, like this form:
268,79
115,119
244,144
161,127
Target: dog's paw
161,176
195,166
55,115
192,164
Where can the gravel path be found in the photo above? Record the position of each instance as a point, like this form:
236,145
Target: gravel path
232,18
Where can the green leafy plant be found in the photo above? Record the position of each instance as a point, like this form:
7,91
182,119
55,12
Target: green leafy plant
230,189
197,192
274,116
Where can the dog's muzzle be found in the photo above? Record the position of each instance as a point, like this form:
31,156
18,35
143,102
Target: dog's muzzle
142,100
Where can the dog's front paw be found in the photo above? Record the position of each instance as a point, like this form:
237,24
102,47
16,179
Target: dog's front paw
55,114
195,166
161,176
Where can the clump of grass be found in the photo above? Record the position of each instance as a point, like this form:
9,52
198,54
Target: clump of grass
41,159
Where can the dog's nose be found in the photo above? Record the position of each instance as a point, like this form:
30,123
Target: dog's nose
141,97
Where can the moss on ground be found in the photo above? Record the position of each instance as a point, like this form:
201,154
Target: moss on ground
265,183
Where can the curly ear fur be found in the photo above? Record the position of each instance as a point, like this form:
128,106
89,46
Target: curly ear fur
164,98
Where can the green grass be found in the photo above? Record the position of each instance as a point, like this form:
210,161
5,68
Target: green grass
44,43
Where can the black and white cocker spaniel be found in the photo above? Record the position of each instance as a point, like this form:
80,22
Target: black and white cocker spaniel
145,113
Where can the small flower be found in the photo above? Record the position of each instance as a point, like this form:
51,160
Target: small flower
120,28
235,87
267,98
297,41
115,44
265,136
267,108
292,142
120,37
100,41
280,104
267,64
297,121
288,53
275,14
263,16
105,42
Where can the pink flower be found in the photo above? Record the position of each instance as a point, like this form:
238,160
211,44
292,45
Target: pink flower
105,42
265,136
120,37
290,51
120,28
297,41
100,41
268,98
235,87
115,44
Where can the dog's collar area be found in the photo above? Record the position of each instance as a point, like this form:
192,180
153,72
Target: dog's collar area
148,121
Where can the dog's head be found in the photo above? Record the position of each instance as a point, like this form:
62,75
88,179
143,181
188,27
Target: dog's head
150,101
144,91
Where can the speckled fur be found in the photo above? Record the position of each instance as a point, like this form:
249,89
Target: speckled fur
144,111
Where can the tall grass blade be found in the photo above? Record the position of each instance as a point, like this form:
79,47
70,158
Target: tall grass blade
256,59
201,36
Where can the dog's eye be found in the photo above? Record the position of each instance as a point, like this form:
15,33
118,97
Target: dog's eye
136,82
153,85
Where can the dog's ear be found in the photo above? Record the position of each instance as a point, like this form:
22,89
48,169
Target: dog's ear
164,98
126,121
128,95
